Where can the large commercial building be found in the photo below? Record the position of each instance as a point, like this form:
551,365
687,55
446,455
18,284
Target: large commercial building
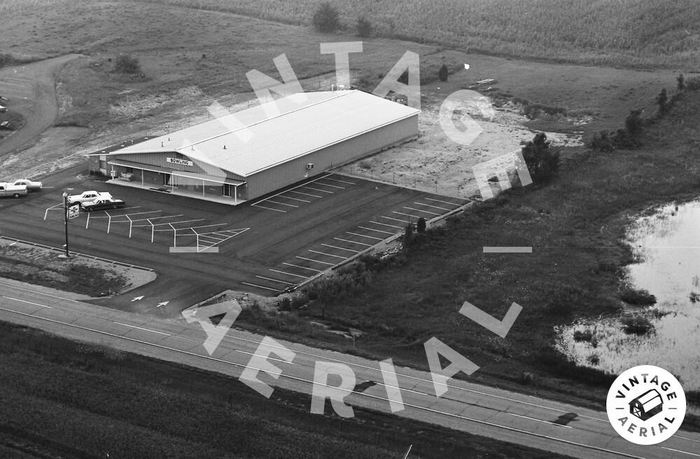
250,153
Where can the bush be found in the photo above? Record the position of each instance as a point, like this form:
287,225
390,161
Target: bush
325,18
681,82
127,64
637,297
602,141
637,325
585,335
693,84
662,101
443,73
634,125
421,225
364,27
542,161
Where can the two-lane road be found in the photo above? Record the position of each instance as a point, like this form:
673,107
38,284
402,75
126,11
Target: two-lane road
482,410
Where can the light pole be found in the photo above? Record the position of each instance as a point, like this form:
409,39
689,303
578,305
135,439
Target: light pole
65,219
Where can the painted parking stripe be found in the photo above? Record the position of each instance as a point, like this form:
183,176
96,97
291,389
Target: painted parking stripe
340,181
260,286
305,194
421,210
403,213
327,254
352,242
341,248
377,230
444,202
318,189
269,208
315,261
364,235
282,203
332,186
430,205
396,219
274,280
301,267
295,199
386,224
288,274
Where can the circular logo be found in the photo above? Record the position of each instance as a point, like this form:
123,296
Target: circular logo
646,405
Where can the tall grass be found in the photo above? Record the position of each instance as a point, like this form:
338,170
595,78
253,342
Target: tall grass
634,32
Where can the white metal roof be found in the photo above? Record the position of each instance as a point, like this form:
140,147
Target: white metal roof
273,133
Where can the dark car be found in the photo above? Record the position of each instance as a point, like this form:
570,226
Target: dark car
102,204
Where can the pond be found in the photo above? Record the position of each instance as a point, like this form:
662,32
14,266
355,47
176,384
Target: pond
667,246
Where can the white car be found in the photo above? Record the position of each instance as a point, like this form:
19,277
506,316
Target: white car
3,109
30,184
88,196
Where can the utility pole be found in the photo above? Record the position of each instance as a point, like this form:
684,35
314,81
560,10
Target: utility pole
65,219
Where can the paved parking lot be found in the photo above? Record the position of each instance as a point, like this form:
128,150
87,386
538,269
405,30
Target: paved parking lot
200,248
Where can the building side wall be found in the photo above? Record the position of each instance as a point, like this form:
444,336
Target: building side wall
336,155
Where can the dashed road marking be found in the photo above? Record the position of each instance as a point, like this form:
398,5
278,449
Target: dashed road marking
144,329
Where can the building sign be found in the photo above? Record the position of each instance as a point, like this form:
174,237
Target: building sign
73,211
181,162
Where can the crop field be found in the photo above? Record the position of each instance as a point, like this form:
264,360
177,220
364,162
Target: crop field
627,32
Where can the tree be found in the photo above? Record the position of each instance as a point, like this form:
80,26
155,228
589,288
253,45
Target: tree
408,234
542,160
634,123
681,82
421,224
325,18
364,27
443,73
662,100
127,64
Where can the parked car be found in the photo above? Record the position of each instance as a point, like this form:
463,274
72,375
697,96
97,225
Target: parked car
88,196
3,109
15,191
30,184
102,204
3,99
5,125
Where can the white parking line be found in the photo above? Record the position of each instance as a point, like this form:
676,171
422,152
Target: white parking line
377,230
327,254
341,248
289,197
364,235
318,189
396,219
405,214
352,242
274,280
421,210
316,261
269,208
444,202
288,274
141,328
332,186
386,224
260,286
305,194
340,181
430,205
282,203
302,267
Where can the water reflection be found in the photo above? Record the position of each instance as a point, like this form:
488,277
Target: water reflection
667,246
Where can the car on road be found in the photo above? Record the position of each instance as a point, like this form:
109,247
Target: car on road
102,204
15,191
30,184
88,196
3,109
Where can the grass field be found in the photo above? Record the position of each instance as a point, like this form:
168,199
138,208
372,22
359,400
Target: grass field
61,398
611,32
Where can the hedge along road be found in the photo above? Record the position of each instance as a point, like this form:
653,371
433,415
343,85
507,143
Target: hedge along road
31,89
